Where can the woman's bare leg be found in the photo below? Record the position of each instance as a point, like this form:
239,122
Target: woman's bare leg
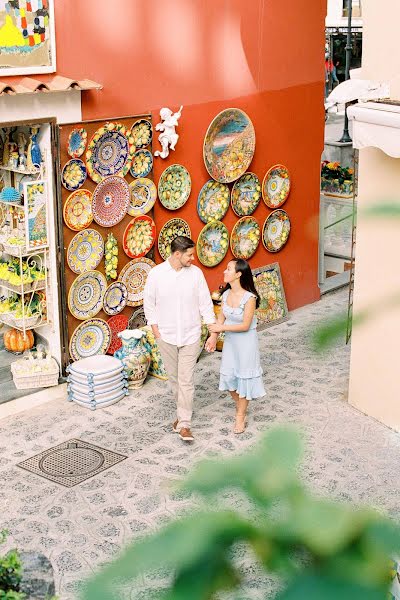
241,412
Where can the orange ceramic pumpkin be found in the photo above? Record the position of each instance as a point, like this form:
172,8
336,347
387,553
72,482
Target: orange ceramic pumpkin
15,341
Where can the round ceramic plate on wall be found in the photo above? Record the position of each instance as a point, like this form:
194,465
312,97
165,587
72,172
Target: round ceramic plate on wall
276,186
245,237
276,230
246,195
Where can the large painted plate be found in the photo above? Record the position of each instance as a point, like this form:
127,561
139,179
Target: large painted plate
229,145
245,237
110,152
276,231
115,298
142,133
213,201
246,195
90,338
116,324
143,196
142,163
276,186
134,276
174,187
171,230
85,297
74,174
139,236
77,210
85,251
76,143
110,201
212,244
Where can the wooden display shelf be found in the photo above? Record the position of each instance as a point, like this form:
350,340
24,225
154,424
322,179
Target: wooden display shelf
16,204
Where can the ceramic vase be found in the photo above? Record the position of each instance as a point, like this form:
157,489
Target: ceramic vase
135,355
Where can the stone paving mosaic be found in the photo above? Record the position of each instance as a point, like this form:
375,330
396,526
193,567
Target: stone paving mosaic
349,456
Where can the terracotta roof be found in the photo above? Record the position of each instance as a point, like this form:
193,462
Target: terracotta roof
56,83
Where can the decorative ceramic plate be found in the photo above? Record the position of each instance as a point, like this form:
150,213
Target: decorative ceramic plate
171,230
143,196
139,236
276,186
110,152
213,201
116,324
142,163
85,297
276,231
137,319
246,194
85,251
110,201
115,298
77,210
74,174
77,141
142,133
90,338
174,187
229,145
134,275
245,237
212,244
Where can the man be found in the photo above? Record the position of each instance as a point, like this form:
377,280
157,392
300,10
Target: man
176,296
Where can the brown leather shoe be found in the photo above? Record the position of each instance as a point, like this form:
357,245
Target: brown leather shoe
175,426
186,435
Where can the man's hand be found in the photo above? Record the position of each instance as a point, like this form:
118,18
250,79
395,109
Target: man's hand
156,331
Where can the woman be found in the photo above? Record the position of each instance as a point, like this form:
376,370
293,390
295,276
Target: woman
240,371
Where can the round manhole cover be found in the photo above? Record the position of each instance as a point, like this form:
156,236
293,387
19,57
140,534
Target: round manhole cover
71,462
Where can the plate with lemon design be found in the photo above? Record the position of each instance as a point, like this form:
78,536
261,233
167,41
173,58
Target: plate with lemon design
174,187
276,186
245,238
212,244
142,163
276,230
213,201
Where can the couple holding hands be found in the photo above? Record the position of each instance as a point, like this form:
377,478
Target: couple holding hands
176,298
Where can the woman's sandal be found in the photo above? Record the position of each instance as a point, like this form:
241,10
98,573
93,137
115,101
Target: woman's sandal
239,428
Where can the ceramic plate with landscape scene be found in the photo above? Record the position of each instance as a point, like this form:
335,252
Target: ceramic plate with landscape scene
90,338
276,230
212,244
174,187
276,186
273,308
245,237
246,194
229,145
213,201
134,275
171,230
110,152
143,196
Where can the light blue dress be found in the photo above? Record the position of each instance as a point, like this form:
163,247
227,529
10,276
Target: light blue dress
240,371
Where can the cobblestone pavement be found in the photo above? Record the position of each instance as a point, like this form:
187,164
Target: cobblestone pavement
349,456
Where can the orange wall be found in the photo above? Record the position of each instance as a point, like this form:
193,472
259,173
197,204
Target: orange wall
263,56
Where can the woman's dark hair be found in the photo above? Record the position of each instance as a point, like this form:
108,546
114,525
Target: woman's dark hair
181,244
246,278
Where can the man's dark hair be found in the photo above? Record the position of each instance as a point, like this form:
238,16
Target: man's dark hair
181,244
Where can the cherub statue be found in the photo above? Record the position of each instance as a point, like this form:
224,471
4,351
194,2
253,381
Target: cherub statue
168,138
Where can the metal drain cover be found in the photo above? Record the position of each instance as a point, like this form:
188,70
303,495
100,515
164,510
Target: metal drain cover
72,462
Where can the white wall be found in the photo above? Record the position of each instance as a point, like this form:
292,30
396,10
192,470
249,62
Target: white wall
334,14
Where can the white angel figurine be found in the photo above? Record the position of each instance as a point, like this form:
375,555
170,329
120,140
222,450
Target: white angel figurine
168,138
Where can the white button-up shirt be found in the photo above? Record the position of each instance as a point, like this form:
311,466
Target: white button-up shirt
176,301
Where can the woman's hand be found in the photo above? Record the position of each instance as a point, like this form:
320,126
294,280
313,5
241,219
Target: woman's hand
211,343
215,328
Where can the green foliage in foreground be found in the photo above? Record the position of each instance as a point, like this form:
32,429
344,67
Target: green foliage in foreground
10,573
321,549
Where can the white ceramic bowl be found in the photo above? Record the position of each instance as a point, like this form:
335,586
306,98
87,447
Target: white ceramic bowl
99,386
99,365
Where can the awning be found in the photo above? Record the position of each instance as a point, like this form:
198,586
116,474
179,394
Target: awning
376,125
57,83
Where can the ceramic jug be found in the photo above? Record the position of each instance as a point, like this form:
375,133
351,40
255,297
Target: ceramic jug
135,355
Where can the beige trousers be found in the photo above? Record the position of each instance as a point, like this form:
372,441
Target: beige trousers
179,363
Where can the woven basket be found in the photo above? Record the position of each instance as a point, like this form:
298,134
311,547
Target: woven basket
28,322
35,380
14,250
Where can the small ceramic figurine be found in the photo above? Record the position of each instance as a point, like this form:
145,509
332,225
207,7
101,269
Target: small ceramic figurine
21,150
12,155
34,156
168,138
6,155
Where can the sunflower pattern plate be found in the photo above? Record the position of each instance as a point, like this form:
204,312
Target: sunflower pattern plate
74,174
276,231
110,201
245,237
174,187
90,338
142,133
246,195
142,163
171,230
85,297
110,152
115,298
77,210
139,236
116,324
85,251
276,186
213,201
76,143
212,244
143,196
134,275
229,145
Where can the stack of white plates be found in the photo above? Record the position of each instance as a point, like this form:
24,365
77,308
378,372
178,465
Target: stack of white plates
97,381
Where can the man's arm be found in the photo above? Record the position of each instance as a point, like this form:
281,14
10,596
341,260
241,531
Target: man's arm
149,304
205,303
